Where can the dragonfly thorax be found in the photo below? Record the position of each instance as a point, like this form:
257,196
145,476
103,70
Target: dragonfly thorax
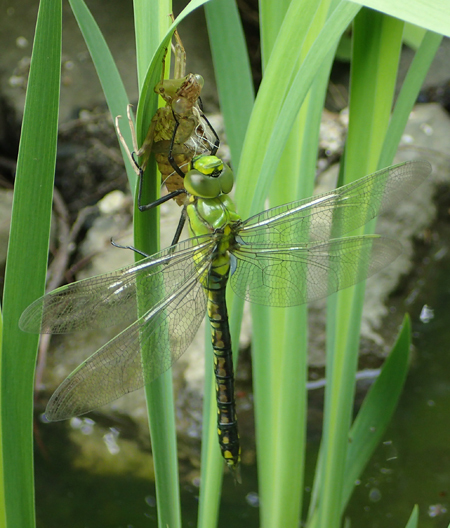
211,215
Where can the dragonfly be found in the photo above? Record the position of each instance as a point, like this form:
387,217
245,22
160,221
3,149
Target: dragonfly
284,256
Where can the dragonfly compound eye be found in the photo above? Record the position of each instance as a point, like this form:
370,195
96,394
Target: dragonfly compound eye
226,179
202,185
209,177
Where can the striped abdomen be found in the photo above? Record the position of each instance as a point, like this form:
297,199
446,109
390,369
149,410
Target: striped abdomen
223,369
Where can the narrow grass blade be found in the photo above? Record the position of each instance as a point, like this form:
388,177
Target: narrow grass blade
271,16
280,359
108,74
288,343
232,70
151,27
408,95
266,372
27,262
413,521
370,107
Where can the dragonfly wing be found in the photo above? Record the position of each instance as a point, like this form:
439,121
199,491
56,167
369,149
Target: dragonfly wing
163,334
275,275
109,299
335,213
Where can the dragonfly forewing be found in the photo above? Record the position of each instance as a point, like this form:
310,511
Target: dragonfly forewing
110,299
338,212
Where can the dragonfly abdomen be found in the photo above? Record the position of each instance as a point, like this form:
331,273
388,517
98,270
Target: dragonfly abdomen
227,427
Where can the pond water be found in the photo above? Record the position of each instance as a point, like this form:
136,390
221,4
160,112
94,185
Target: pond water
412,465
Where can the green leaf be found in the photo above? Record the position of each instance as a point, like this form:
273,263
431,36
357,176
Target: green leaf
413,521
433,14
232,70
408,95
27,262
108,74
279,379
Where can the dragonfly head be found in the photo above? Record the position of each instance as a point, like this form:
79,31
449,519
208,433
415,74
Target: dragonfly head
208,177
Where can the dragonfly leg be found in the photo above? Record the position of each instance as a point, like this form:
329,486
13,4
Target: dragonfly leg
161,200
180,226
157,202
129,247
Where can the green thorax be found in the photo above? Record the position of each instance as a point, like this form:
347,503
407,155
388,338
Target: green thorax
209,215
